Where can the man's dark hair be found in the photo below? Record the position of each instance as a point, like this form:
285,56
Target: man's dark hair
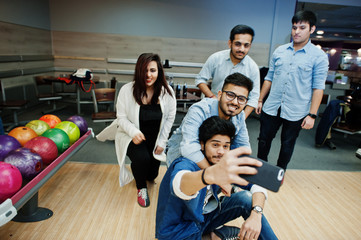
214,126
240,80
305,16
241,29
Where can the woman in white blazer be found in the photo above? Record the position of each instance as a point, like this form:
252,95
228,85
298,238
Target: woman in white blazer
146,109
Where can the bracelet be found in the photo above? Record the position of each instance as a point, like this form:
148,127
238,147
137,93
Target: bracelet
204,181
212,96
260,100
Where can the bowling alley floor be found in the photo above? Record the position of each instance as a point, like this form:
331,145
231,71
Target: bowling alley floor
320,198
87,203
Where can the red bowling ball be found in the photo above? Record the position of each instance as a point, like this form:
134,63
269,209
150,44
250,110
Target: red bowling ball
51,120
10,181
45,147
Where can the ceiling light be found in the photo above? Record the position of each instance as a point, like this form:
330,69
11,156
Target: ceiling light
320,32
333,51
319,36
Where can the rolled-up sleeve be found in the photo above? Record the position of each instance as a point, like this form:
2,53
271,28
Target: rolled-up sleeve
206,72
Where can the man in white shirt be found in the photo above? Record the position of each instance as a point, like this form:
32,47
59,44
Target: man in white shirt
223,63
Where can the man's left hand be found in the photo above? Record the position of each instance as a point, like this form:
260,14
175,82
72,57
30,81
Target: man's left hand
308,123
251,228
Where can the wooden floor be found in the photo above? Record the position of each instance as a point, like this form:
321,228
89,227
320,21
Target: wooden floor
88,204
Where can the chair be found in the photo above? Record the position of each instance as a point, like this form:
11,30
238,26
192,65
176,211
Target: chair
50,96
104,97
346,124
14,105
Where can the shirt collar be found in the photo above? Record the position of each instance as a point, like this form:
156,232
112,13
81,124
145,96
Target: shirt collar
305,48
242,62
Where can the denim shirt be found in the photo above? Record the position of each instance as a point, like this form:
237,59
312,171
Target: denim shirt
219,65
184,140
294,75
177,218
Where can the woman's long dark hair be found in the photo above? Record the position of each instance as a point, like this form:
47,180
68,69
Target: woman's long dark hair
139,88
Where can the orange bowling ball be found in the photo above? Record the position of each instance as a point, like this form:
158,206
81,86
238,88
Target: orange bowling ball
23,134
51,120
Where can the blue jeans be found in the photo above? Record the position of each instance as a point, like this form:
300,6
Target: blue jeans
237,205
269,128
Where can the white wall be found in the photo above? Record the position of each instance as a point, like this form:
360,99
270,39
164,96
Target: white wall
201,19
33,13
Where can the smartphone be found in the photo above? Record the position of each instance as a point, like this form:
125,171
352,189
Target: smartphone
268,176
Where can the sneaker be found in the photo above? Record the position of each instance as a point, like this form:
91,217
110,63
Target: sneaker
227,232
358,153
143,198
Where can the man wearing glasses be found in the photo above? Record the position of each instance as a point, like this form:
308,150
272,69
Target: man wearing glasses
223,63
229,105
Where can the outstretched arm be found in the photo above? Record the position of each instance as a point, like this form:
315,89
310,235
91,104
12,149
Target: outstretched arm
225,172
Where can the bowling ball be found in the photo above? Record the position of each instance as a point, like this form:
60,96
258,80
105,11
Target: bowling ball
71,129
59,137
23,134
28,162
7,144
80,122
50,119
10,180
38,126
45,147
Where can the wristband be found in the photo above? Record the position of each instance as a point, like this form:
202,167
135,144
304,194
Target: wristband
211,96
202,177
314,116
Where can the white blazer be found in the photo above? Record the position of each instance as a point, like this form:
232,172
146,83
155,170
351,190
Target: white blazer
126,126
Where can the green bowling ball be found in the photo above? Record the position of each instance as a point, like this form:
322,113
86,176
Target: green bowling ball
38,126
71,129
59,137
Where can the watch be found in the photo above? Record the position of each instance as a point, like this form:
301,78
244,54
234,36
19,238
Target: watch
314,116
258,209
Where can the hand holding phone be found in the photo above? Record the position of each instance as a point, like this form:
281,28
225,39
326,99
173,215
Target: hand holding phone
268,176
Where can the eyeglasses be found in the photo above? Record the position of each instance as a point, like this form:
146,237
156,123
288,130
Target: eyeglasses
240,99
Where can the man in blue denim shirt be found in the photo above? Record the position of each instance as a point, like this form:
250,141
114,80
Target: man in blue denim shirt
229,105
188,201
223,63
297,74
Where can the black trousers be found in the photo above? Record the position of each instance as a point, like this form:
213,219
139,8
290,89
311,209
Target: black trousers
268,130
144,166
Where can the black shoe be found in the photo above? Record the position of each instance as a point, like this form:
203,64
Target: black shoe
227,232
330,144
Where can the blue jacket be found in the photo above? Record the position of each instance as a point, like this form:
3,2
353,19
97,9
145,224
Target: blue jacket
177,218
